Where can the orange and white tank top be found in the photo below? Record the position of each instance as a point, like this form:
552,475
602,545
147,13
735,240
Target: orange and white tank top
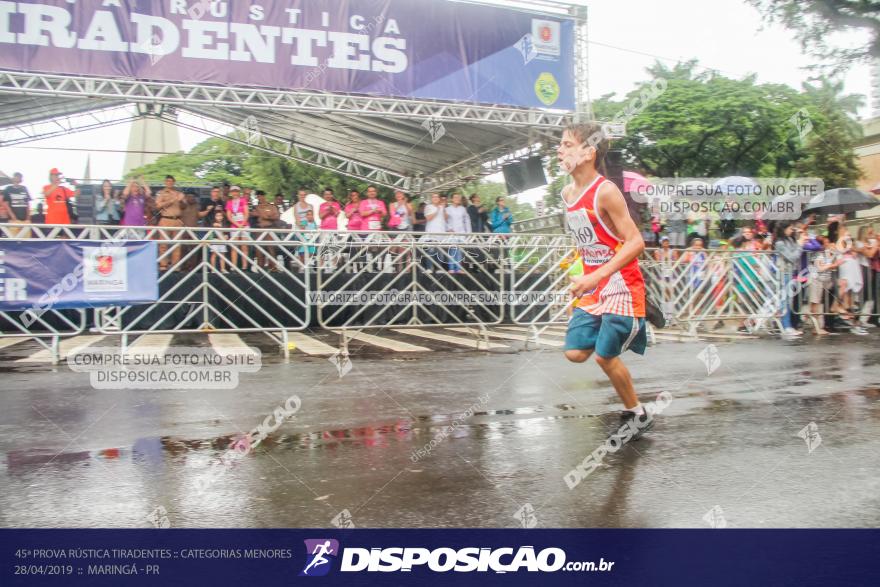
624,292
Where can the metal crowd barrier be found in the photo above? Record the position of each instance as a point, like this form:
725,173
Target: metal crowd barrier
405,280
47,326
220,280
278,281
694,287
824,297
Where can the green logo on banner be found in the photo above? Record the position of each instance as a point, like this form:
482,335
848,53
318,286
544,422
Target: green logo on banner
547,88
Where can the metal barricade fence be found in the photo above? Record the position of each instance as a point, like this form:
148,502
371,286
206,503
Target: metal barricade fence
42,323
839,290
252,280
382,279
695,286
280,280
540,279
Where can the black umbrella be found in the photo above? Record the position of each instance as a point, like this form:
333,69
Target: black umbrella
841,201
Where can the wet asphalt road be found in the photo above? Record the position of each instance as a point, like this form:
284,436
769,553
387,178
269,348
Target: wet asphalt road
74,456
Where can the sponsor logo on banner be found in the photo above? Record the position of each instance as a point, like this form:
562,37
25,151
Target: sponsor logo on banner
526,48
320,554
104,264
106,269
547,88
546,37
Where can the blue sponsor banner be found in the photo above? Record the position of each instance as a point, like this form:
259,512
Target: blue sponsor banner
439,557
43,275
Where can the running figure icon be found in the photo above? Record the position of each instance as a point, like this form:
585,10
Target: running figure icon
319,552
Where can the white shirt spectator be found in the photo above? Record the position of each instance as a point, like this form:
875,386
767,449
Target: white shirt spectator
457,219
863,260
438,222
852,273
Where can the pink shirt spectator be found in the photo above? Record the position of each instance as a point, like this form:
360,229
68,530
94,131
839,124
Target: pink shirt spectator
372,212
329,222
354,223
238,209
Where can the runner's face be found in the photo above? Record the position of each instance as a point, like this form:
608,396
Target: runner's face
572,153
371,193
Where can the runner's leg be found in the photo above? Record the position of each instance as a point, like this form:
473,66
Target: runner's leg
620,379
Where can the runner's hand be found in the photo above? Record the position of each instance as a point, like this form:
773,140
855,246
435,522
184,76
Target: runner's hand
584,284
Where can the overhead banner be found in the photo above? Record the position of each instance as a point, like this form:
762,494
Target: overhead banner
37,276
431,49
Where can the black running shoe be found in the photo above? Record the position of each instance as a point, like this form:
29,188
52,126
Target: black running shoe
633,426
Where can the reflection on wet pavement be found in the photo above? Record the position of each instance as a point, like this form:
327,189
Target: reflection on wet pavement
415,445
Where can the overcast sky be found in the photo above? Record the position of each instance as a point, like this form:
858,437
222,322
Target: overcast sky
626,37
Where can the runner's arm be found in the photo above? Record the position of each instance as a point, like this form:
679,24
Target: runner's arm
613,204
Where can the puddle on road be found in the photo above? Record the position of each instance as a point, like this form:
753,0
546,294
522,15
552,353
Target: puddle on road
157,450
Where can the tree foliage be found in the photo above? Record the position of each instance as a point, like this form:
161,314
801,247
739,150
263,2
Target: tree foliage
217,160
815,21
829,144
708,125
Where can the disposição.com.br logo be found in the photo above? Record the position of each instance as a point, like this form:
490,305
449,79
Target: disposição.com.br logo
321,554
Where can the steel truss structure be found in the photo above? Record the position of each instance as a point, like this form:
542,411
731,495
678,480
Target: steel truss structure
256,99
391,142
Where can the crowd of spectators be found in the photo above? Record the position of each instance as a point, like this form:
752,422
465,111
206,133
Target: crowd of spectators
832,272
234,212
135,205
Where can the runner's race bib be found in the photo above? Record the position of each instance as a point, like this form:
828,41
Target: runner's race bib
374,224
581,228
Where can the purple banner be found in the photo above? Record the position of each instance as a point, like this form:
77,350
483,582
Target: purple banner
431,49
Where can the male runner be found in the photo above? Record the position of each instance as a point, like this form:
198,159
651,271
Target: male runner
609,317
